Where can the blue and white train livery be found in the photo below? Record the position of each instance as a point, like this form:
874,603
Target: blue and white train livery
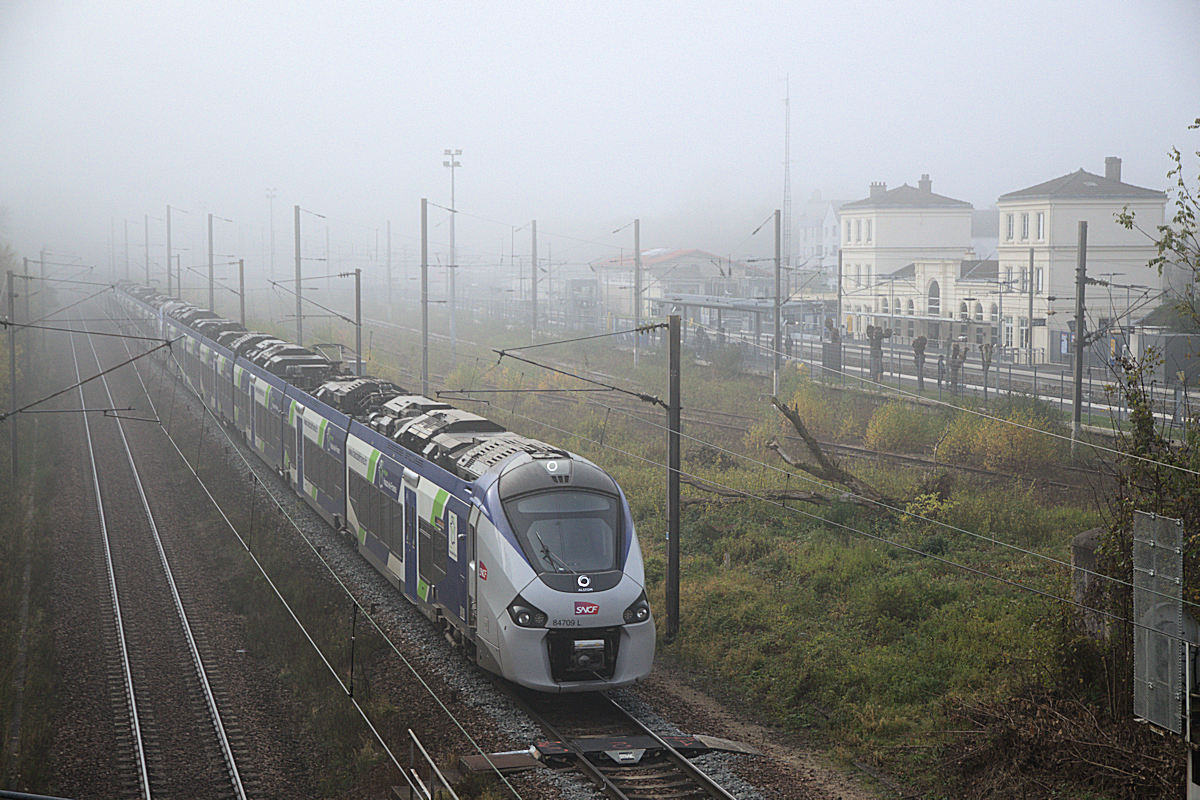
524,553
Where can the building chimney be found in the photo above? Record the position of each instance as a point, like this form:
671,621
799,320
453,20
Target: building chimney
925,185
1112,168
878,189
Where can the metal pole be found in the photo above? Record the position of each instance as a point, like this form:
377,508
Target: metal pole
1000,327
168,250
12,376
673,405
424,296
358,319
637,286
1080,284
837,323
211,302
776,313
1030,328
242,290
533,276
271,224
452,163
299,315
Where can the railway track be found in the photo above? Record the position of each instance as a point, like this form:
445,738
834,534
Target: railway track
170,727
616,751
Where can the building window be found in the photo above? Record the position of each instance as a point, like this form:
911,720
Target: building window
858,230
979,312
847,230
1025,226
868,230
1008,226
1038,280
1041,226
935,300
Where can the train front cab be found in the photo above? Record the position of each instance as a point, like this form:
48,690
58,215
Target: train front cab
559,576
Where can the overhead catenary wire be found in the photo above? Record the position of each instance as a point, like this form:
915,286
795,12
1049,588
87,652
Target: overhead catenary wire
649,398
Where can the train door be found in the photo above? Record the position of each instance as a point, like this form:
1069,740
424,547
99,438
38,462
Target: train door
296,451
456,565
472,564
410,543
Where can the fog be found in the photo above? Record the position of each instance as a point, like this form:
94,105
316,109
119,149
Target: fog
582,116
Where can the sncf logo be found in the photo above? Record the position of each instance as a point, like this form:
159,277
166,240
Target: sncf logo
586,608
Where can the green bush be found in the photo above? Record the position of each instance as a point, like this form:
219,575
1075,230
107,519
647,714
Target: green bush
901,427
1012,439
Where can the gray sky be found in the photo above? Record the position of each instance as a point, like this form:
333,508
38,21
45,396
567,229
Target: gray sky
580,115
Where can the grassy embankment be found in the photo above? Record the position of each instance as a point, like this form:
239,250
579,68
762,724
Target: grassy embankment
799,608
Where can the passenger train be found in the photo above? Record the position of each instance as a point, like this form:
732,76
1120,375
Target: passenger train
524,553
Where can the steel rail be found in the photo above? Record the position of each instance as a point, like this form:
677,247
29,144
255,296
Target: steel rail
685,764
197,662
599,776
127,673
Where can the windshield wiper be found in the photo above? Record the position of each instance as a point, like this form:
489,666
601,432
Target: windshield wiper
550,556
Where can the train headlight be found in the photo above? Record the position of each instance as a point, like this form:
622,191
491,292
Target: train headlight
639,611
526,615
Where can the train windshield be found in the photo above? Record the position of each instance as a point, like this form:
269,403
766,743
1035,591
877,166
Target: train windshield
567,531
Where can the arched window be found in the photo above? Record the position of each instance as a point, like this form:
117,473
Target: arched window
979,312
911,307
962,311
883,306
992,312
935,299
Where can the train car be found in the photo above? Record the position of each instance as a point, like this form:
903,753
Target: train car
525,554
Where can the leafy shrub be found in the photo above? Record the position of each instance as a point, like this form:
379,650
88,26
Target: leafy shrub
1017,448
827,414
996,443
959,442
901,427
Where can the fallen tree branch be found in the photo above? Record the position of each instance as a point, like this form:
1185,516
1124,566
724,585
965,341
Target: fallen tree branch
826,468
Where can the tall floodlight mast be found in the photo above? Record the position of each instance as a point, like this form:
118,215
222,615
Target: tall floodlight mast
453,163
